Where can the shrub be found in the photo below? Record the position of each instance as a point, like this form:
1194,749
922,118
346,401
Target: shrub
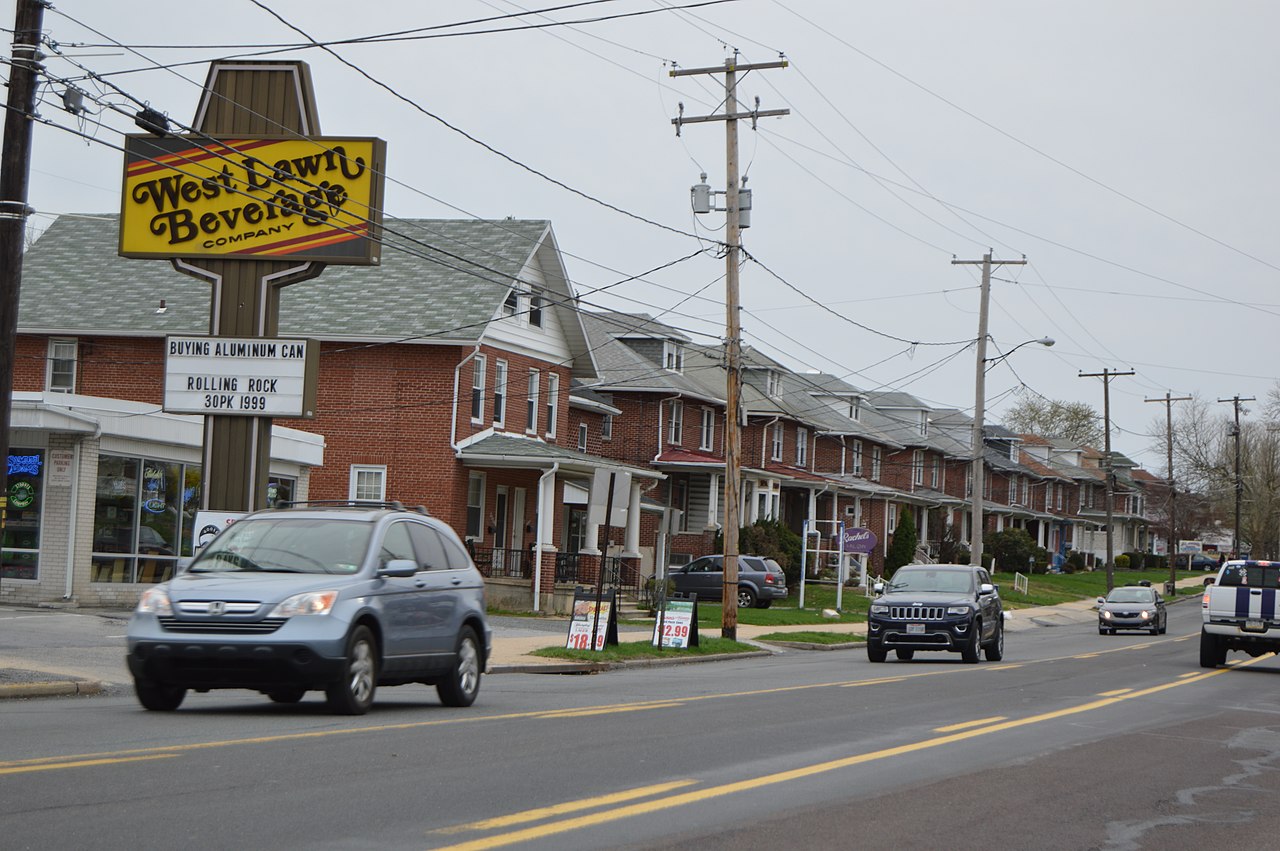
1137,561
903,548
1122,562
1074,563
1011,550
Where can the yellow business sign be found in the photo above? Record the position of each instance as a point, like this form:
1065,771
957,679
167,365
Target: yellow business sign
264,198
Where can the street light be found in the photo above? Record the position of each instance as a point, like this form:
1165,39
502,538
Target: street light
979,410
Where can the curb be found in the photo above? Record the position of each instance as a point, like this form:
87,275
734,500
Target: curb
601,667
53,688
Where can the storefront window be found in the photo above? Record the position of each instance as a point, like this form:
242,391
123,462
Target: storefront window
21,545
142,518
279,489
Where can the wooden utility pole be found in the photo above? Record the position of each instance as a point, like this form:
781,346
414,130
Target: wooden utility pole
733,341
1106,375
980,402
1235,432
1168,400
15,170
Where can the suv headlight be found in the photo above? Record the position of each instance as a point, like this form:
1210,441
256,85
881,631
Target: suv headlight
958,610
310,603
879,609
155,601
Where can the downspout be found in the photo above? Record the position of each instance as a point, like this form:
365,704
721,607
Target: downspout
453,424
72,519
539,539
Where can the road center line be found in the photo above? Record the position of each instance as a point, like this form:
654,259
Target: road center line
566,808
84,763
951,728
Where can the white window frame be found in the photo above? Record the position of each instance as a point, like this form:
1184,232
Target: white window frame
773,385
606,427
935,475
478,373
582,437
531,407
553,402
891,517
675,422
917,467
535,309
707,437
924,423
1060,490
511,304
857,458
672,356
473,478
877,460
354,483
55,345
499,392
802,446
775,442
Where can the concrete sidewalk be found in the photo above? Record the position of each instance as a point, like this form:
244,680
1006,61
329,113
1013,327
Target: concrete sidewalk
27,677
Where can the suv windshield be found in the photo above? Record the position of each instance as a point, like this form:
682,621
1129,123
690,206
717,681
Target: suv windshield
923,581
287,545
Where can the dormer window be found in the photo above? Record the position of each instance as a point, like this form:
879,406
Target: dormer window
924,423
535,310
673,356
512,303
774,385
1013,451
855,409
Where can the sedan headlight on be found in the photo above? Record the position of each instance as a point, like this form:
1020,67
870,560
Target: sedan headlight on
879,610
310,603
958,610
1106,616
1146,616
155,601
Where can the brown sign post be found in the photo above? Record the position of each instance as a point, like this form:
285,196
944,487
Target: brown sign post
253,201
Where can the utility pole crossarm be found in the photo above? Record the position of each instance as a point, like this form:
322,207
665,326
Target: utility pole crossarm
737,116
729,65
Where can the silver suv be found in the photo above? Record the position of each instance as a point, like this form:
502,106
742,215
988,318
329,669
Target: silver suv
341,598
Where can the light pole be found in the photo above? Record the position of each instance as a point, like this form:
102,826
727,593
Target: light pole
979,411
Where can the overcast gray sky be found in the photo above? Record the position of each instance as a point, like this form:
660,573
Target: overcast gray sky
1127,149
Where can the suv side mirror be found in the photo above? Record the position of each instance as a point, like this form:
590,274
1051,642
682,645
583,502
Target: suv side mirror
878,588
399,568
986,588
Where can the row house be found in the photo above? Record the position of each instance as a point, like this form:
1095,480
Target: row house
462,374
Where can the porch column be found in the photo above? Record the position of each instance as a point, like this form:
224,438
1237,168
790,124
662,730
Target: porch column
631,538
924,527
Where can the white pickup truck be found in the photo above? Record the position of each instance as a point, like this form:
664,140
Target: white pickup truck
1239,611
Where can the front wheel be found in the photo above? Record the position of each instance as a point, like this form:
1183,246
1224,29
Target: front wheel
463,684
158,698
971,650
746,597
352,693
876,651
995,650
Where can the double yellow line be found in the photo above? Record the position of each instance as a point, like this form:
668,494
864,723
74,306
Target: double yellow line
661,800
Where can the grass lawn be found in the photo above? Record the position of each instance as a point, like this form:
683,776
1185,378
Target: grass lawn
625,650
813,637
1052,589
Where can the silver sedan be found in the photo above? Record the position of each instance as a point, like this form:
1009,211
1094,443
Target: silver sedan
1132,607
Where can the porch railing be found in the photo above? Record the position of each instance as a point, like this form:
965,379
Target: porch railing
503,562
618,572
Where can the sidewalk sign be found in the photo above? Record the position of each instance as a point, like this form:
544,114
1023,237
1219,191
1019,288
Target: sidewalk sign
592,617
677,624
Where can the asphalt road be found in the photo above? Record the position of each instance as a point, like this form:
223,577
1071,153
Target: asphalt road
1073,741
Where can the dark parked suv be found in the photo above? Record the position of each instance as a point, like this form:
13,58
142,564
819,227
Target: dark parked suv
936,607
341,599
760,580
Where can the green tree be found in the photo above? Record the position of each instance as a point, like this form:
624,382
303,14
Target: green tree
903,548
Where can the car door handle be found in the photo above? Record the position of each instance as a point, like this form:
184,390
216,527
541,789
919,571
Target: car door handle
456,580
420,583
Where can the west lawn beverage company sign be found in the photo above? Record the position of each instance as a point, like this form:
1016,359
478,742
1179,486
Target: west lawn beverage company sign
252,198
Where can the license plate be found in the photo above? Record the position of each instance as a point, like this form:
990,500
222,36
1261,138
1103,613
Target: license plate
1254,625
915,629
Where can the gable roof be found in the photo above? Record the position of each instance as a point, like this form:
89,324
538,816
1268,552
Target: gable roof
441,281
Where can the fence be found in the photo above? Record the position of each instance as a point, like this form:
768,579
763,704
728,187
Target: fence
1020,583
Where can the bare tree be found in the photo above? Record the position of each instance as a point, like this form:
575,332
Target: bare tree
1074,421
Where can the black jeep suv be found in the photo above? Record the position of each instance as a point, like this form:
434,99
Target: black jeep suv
936,607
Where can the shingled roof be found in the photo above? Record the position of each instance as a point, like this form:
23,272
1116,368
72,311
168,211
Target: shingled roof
440,281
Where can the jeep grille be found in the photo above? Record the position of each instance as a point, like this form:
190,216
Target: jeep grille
916,613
